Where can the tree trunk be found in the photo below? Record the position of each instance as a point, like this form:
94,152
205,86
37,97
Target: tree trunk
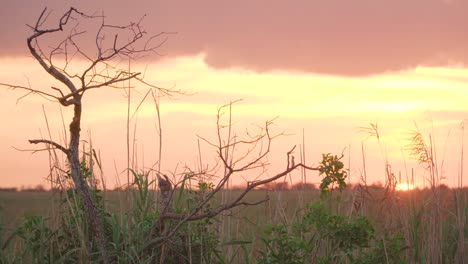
92,213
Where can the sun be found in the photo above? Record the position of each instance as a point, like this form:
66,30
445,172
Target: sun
404,186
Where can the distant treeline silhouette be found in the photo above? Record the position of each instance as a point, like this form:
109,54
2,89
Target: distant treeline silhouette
37,188
272,186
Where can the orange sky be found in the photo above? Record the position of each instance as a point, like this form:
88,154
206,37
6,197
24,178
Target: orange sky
326,76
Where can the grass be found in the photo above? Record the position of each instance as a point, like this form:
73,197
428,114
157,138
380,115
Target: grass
197,223
361,224
408,215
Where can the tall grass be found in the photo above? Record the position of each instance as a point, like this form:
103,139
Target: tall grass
201,242
360,224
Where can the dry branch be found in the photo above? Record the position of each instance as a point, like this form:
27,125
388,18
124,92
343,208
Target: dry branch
258,147
101,72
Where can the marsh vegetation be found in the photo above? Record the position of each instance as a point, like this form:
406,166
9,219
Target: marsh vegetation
197,216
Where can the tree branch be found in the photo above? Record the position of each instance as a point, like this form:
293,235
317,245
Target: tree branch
223,148
12,86
39,32
49,142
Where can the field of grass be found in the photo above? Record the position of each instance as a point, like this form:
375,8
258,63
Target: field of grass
359,225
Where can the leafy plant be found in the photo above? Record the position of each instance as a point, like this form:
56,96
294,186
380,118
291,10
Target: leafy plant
389,249
37,239
323,237
282,246
344,234
331,167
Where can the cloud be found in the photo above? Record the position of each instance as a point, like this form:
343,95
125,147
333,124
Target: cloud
328,37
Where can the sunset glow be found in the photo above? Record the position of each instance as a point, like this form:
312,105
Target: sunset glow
301,101
324,82
404,186
184,131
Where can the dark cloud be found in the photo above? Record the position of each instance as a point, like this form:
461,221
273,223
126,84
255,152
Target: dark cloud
332,37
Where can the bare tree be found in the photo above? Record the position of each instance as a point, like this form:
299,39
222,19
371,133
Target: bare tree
235,154
125,42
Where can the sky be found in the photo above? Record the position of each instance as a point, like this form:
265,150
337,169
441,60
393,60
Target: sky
323,69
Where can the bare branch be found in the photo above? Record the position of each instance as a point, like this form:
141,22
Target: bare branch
53,71
34,91
49,142
225,149
101,72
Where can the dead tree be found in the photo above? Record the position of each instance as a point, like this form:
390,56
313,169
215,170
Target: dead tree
102,71
112,44
235,155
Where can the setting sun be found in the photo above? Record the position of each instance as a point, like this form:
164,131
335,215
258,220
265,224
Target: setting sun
404,186
251,112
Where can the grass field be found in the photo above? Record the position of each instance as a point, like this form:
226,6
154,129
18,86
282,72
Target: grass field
431,225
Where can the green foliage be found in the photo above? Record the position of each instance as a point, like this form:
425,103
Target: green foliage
36,236
322,237
331,167
416,225
197,239
317,233
386,250
142,196
297,243
205,186
130,233
71,239
345,234
283,246
39,244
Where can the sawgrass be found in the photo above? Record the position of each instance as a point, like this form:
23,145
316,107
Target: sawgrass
407,213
